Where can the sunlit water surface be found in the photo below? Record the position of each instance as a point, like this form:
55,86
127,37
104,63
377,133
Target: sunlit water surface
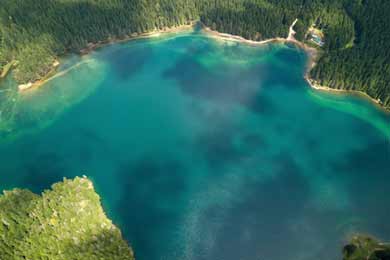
206,150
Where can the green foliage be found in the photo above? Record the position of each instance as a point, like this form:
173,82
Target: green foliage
64,223
366,248
6,68
39,52
365,64
255,19
357,39
34,32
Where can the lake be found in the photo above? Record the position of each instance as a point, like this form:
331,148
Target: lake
204,149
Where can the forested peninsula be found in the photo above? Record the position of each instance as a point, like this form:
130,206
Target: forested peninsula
355,54
66,222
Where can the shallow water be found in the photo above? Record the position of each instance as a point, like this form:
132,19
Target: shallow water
205,149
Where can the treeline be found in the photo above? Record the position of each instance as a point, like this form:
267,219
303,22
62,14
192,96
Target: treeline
365,65
35,32
356,54
255,19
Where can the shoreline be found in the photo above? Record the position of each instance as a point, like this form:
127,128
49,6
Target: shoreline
136,36
236,38
313,55
31,85
318,87
94,46
312,52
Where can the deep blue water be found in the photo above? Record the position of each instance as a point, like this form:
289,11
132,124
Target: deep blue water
205,150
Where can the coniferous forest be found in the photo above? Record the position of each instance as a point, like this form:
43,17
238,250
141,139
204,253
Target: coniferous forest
356,54
66,222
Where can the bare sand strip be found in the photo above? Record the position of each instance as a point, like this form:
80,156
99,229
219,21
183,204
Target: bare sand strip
313,56
93,46
235,38
291,32
135,36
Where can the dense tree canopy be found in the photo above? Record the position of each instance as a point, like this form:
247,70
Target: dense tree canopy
64,223
364,65
356,54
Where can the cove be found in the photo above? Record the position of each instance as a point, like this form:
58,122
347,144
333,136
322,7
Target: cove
204,149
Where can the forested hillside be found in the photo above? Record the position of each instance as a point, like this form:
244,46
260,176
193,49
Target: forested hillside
356,54
64,223
364,66
34,32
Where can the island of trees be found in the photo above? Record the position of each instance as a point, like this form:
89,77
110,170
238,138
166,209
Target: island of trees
355,56
64,223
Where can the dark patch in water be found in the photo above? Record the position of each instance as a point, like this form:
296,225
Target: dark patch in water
292,55
364,171
260,104
225,142
126,62
224,85
43,170
91,143
220,142
260,225
218,148
371,160
253,141
151,189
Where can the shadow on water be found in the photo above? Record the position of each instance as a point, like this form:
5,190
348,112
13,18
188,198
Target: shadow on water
152,191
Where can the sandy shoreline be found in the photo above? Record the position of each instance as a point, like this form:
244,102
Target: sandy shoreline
313,55
315,85
135,36
236,38
94,46
311,51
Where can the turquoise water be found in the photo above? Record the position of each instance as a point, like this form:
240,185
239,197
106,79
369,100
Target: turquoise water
204,149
